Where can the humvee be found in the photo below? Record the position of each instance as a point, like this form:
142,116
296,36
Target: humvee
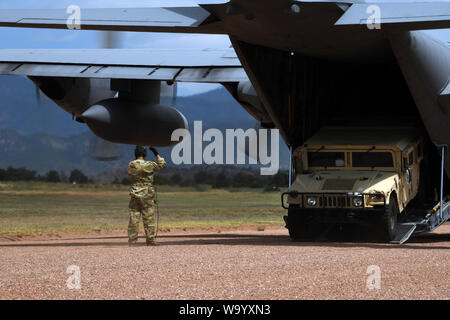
353,175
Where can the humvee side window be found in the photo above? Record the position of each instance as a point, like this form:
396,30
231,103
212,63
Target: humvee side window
411,158
372,159
326,159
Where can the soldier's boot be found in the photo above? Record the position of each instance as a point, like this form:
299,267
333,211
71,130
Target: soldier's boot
132,244
153,243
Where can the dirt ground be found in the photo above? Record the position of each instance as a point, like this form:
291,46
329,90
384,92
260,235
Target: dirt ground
230,264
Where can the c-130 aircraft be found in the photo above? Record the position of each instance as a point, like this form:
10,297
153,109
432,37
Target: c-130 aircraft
295,65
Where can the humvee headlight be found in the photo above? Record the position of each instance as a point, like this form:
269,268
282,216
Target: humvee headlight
375,199
357,201
312,201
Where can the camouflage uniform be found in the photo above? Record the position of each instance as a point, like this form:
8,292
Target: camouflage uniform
142,200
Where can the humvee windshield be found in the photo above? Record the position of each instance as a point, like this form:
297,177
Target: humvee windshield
372,159
359,159
326,159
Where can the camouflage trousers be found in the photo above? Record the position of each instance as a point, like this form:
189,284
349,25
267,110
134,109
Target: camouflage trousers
145,208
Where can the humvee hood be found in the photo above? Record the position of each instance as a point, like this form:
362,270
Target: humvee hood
346,181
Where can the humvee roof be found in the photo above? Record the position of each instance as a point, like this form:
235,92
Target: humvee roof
399,137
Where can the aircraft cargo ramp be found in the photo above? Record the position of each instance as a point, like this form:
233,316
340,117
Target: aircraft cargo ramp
422,221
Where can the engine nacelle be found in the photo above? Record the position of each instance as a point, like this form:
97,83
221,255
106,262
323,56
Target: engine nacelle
74,95
132,122
246,95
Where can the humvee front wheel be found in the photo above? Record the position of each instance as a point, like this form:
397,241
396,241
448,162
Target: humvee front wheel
389,220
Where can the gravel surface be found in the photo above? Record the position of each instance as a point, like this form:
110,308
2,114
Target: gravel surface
239,264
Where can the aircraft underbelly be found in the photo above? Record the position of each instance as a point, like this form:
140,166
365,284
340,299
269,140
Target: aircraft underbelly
373,49
426,67
303,93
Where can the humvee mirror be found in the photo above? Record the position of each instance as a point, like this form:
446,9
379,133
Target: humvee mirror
408,175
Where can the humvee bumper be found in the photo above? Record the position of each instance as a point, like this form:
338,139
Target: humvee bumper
337,215
336,207
334,200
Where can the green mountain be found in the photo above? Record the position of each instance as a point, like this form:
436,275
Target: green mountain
43,137
21,111
43,152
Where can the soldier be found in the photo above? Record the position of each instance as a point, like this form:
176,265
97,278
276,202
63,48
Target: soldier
142,202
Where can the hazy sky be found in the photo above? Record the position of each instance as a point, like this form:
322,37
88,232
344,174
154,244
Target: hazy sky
46,38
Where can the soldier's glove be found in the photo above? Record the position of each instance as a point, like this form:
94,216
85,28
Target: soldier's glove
155,152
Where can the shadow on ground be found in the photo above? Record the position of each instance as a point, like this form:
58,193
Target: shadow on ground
349,237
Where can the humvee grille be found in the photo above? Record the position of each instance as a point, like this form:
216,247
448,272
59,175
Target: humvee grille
338,184
337,201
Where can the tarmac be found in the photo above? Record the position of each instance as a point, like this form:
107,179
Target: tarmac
230,264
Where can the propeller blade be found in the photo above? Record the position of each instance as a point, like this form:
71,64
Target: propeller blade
110,40
101,149
104,150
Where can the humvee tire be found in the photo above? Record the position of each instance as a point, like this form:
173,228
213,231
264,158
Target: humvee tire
301,227
389,220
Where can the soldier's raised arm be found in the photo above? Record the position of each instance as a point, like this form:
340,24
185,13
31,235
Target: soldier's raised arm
160,162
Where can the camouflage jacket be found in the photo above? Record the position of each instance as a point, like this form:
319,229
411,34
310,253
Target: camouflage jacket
141,173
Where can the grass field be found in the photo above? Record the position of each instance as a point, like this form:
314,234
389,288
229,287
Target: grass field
43,208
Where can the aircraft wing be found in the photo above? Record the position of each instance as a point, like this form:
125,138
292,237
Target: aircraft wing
210,18
405,16
213,66
177,19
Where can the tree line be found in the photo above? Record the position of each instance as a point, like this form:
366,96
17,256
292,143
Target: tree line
23,174
222,180
201,178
